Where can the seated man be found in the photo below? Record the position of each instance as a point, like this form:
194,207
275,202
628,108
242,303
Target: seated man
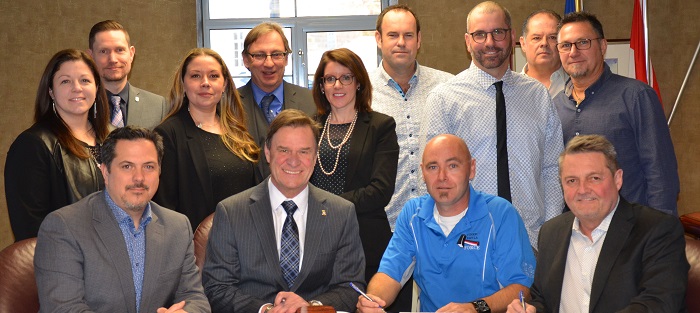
470,250
640,267
284,244
115,250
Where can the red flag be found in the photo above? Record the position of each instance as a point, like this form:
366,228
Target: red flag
638,63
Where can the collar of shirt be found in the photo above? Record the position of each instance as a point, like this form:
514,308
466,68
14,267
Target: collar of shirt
124,218
593,88
391,82
485,80
475,211
276,199
559,73
276,105
124,94
598,231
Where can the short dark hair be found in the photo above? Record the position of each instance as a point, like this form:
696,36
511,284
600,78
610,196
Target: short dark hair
549,12
107,26
397,7
292,118
591,143
130,133
346,58
583,16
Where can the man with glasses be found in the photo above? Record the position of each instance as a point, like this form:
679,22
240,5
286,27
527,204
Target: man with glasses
516,152
624,110
265,54
539,43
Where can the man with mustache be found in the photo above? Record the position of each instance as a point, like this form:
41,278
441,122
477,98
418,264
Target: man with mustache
506,118
624,110
539,43
116,250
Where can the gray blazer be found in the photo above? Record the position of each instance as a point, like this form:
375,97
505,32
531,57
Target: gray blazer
295,97
82,264
145,108
242,271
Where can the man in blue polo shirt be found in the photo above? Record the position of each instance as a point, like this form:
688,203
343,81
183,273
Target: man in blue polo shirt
468,251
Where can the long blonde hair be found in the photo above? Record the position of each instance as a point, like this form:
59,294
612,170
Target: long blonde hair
232,117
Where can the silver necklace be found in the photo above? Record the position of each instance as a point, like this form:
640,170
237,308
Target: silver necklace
338,147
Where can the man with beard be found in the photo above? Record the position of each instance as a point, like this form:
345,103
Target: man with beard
116,250
539,42
624,110
469,249
517,155
110,47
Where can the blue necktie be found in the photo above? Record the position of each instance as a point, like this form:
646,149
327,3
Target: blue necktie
117,116
265,103
289,247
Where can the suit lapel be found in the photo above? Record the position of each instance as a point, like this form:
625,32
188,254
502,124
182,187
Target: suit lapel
257,124
357,146
316,225
112,239
197,154
155,243
134,111
559,260
618,231
261,212
290,100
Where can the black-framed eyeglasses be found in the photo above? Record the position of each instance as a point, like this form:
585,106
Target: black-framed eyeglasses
346,79
581,44
498,34
275,56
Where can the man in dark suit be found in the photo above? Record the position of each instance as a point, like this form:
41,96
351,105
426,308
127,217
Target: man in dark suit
113,53
606,254
265,54
115,250
284,244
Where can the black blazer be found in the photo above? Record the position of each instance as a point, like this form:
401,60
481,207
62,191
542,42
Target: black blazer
185,181
370,180
641,267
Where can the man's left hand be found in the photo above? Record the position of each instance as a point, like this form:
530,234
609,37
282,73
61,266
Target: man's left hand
288,302
175,308
458,308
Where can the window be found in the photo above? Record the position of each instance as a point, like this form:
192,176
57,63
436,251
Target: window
311,26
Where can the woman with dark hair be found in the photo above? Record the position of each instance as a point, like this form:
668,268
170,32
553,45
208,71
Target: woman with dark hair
56,161
358,150
209,154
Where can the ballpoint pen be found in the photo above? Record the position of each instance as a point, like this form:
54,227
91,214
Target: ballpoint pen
364,295
522,300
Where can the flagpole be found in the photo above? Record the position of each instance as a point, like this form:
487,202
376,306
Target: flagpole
649,71
680,92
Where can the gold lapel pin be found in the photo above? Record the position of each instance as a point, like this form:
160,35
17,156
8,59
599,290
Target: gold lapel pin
323,212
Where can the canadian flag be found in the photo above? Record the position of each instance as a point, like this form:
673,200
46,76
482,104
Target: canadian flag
638,49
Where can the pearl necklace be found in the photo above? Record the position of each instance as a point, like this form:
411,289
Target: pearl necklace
338,147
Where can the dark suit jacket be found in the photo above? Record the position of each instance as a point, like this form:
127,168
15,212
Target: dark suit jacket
242,270
641,267
370,179
185,180
295,97
82,264
144,108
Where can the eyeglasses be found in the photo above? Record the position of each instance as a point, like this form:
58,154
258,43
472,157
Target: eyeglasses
498,34
346,79
581,44
275,56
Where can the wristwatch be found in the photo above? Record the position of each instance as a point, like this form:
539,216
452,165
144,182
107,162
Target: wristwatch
315,303
481,306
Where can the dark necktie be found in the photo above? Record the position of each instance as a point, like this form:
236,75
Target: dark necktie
289,245
502,144
117,115
265,104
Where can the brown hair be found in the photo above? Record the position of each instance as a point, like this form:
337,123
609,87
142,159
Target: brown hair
347,58
262,29
592,143
44,111
232,117
107,26
292,118
396,7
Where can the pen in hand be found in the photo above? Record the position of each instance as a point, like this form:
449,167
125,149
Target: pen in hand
364,295
522,300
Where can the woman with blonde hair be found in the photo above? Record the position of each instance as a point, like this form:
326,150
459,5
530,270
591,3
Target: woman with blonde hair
209,154
55,162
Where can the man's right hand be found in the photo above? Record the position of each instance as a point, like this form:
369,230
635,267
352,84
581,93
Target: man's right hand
366,306
517,307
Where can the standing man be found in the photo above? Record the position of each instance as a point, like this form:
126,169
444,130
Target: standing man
640,267
265,54
401,87
113,53
116,250
468,250
517,151
539,43
284,244
624,110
